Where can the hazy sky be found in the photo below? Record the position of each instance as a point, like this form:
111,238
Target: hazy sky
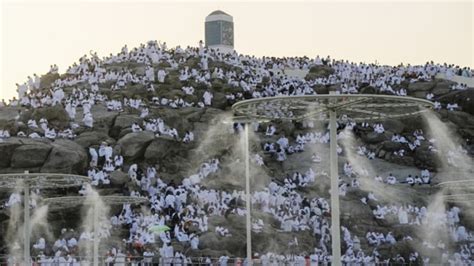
36,34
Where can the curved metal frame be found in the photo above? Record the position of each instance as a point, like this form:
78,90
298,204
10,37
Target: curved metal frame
41,180
58,203
313,105
65,202
457,190
28,181
456,184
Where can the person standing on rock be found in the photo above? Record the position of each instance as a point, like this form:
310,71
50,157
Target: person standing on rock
207,98
88,120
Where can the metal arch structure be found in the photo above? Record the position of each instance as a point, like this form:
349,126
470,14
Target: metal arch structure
327,107
458,198
28,181
58,203
358,107
41,180
457,184
457,191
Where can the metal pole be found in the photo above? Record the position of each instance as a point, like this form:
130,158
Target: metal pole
247,191
96,234
27,226
335,226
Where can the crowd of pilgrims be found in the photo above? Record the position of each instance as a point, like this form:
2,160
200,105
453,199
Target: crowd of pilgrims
186,207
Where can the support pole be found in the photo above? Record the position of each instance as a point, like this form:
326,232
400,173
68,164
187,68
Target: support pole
96,234
247,192
27,225
335,223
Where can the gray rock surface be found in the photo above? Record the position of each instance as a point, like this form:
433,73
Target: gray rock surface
133,145
118,178
31,155
66,157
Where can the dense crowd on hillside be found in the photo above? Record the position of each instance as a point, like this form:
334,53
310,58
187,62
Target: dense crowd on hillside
186,207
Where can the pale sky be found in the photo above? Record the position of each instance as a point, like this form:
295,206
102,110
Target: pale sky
36,34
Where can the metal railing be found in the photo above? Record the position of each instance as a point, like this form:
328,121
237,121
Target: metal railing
140,261
158,261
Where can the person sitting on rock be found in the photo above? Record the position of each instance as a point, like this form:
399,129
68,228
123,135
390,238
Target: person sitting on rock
452,106
257,159
43,123
391,180
109,166
118,161
270,130
136,127
40,245
144,112
378,178
50,133
221,231
188,137
88,120
378,128
418,180
207,98
410,180
32,124
425,176
315,158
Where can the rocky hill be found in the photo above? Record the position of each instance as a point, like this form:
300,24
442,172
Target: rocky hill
175,160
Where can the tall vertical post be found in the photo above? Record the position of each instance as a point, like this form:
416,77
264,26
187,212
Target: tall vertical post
247,192
335,223
27,226
96,234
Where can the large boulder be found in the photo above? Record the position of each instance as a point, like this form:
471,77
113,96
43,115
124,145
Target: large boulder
373,137
133,145
461,119
192,114
391,146
319,72
126,120
160,148
321,89
66,157
103,119
421,86
464,99
48,79
172,119
118,178
393,125
405,160
7,116
56,115
219,101
287,128
30,155
368,90
91,138
168,153
442,87
6,150
425,159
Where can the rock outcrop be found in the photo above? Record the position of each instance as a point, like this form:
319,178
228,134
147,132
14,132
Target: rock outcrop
66,157
133,145
176,160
